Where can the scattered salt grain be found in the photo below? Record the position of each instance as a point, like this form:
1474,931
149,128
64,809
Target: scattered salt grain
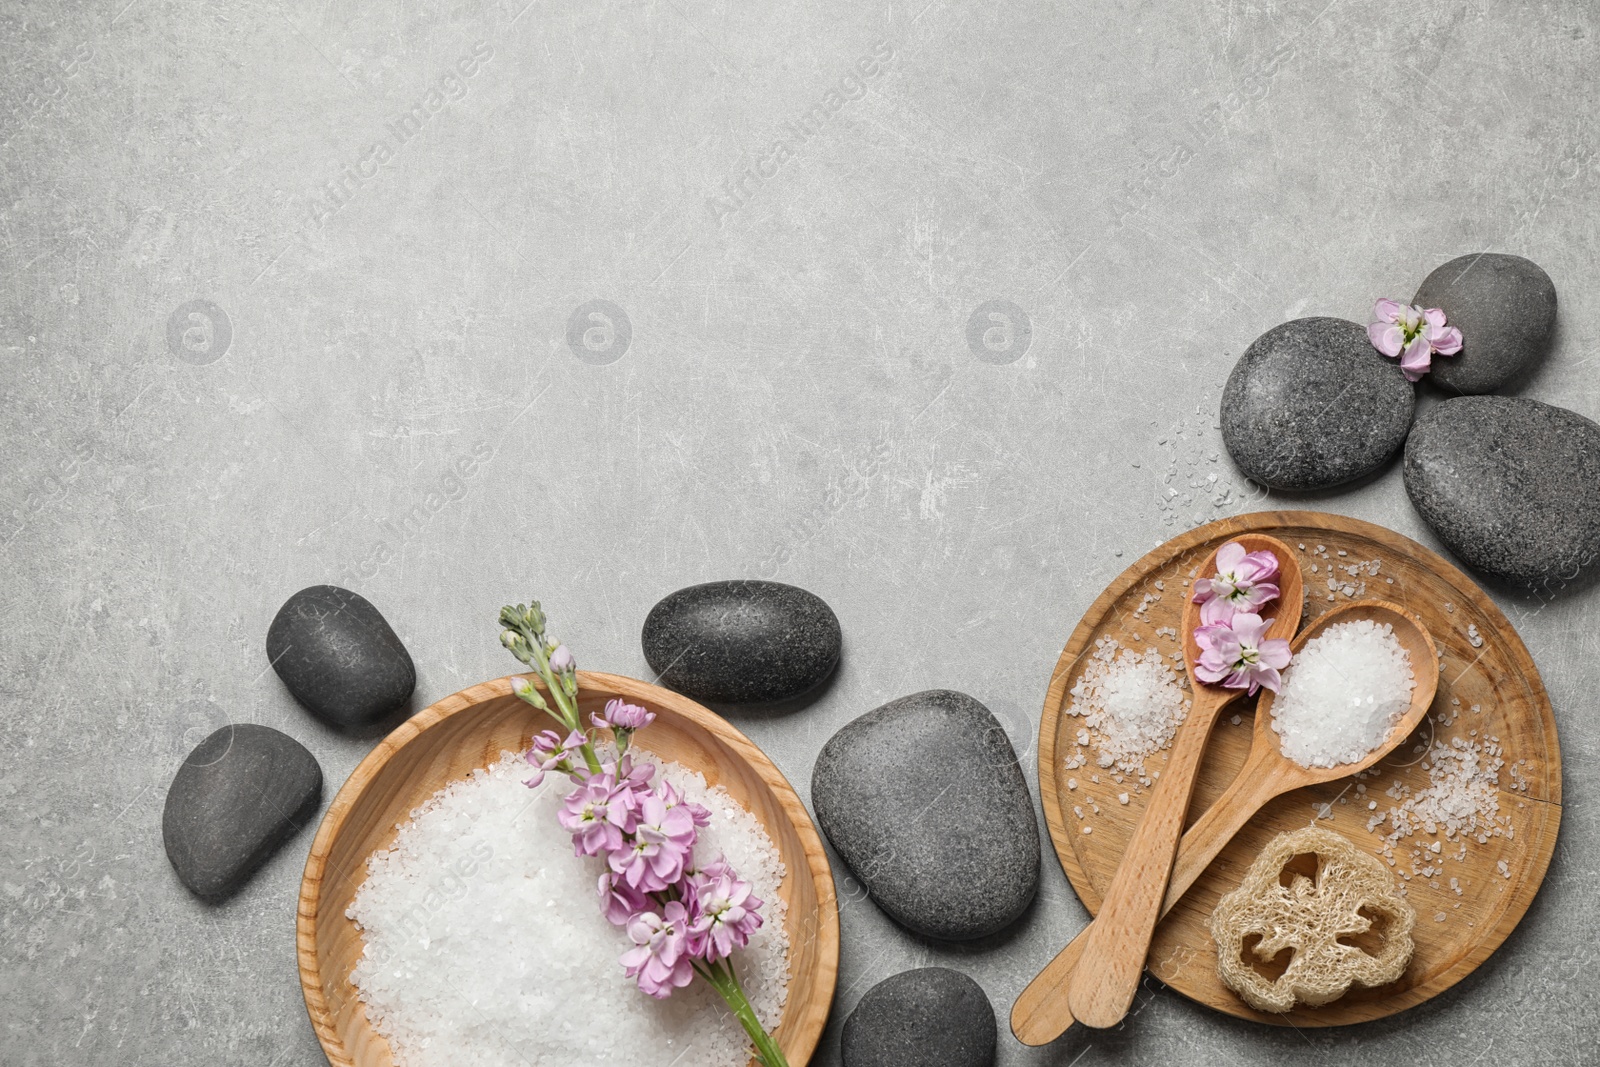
1131,700
1342,694
1122,798
485,944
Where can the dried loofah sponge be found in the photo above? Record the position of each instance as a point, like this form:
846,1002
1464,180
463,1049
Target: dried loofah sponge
1326,921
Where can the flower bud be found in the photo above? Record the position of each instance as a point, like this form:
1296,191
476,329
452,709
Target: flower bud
561,660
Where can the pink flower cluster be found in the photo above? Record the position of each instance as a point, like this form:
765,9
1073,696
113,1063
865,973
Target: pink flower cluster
675,913
1234,649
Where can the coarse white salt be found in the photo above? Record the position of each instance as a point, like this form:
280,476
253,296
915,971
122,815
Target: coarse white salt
485,944
1133,703
1342,694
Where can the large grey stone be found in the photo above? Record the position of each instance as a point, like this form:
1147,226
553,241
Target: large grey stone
339,657
1511,485
925,802
1311,405
742,642
1505,308
931,1017
238,797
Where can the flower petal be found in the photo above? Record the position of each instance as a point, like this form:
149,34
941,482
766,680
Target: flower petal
1386,339
1274,652
1229,556
1260,566
1448,343
1248,627
1216,612
1416,359
1434,317
1387,310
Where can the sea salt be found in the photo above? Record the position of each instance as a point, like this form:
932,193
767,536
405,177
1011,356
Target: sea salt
485,944
1342,694
1132,701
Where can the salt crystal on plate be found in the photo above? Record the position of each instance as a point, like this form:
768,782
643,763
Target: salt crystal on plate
1342,694
1132,700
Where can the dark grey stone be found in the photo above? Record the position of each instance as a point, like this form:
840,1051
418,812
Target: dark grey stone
1311,405
925,802
339,657
932,1017
1511,485
1505,308
742,642
238,797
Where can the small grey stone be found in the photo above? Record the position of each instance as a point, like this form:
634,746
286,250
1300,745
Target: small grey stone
1311,405
1511,485
932,1017
925,802
742,642
1505,308
238,797
339,657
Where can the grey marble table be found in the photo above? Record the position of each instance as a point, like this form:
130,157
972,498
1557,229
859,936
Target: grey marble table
913,304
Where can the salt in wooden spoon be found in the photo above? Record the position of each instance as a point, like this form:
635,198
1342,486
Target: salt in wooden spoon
1102,988
1040,1014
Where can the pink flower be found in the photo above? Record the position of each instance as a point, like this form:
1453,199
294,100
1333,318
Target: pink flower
551,753
619,901
1243,583
597,814
561,660
620,715
660,848
1412,333
659,960
673,798
1235,654
723,913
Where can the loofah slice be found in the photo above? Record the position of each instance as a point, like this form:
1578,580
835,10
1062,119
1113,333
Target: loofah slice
1343,924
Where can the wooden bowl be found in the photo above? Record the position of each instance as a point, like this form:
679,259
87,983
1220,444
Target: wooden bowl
460,733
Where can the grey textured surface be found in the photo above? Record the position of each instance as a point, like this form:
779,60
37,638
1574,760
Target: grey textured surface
927,1017
924,801
803,396
744,641
1512,486
1312,405
1505,308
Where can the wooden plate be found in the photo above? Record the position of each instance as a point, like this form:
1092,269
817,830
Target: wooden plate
460,733
1487,667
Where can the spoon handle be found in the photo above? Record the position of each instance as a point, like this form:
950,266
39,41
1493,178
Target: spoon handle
1041,1012
1103,986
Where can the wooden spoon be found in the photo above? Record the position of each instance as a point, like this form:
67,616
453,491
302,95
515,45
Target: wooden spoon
1040,1014
1101,990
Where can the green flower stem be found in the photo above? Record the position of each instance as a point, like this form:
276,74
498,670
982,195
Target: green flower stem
725,982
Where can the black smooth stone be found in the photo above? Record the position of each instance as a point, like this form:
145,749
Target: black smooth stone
339,657
742,642
932,1017
1311,405
925,803
238,797
1505,308
1511,486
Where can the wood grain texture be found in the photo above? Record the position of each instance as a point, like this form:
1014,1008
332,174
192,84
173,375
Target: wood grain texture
1496,674
1102,989
470,729
1041,1012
